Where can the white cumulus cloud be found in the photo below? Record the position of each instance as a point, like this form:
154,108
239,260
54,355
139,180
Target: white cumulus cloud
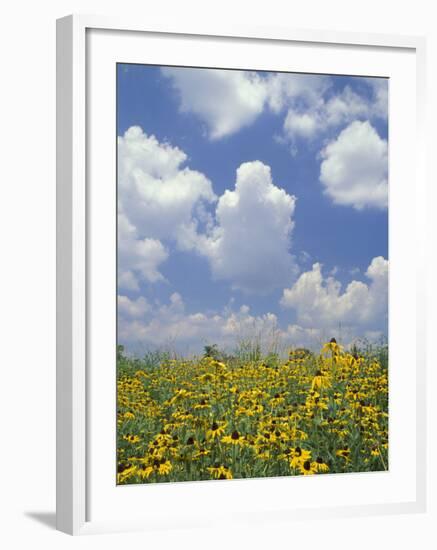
250,242
314,118
137,258
225,100
300,124
162,204
354,169
141,326
286,89
159,199
379,99
228,100
156,192
321,302
132,308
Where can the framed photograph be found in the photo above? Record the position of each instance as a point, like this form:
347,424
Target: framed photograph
241,271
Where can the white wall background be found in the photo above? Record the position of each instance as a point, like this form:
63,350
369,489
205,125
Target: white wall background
27,271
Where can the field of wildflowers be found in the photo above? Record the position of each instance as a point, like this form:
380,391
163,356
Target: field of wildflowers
212,418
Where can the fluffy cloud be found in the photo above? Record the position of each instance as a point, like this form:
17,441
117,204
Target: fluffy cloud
285,89
249,245
300,124
228,100
137,258
132,309
159,199
143,326
170,326
225,100
156,193
312,119
313,109
355,167
321,304
379,99
162,202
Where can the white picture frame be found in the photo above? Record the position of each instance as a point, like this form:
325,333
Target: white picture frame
73,289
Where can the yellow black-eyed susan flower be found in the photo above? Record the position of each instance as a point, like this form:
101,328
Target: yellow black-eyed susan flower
131,438
344,453
320,381
298,456
307,468
234,439
216,429
320,465
173,421
220,472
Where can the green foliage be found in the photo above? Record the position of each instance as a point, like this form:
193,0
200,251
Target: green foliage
200,418
248,350
377,351
211,351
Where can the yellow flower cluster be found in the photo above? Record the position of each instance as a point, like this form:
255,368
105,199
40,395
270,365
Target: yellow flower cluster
187,420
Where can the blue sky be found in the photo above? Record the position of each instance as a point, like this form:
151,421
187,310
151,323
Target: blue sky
294,244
